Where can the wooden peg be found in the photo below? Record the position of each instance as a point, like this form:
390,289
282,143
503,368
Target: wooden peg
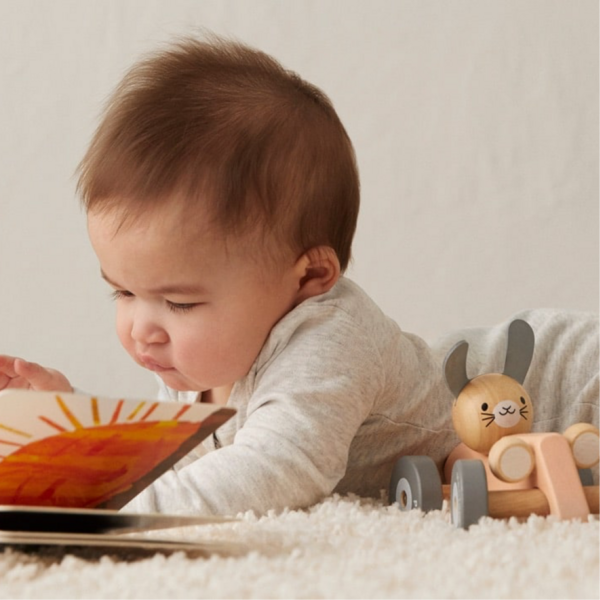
584,439
511,459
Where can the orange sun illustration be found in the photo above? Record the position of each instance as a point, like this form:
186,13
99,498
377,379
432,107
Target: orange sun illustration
102,465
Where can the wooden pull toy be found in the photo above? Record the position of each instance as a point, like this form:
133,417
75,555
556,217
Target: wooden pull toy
501,469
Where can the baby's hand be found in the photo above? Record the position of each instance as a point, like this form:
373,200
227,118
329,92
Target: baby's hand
18,373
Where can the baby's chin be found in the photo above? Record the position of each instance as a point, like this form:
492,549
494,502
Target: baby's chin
174,380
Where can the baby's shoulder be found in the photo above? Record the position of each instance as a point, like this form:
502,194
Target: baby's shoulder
346,310
345,319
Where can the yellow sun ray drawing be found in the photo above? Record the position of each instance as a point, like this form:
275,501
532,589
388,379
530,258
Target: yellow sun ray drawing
78,451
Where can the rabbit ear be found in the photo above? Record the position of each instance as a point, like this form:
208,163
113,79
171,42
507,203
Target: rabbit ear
455,368
519,351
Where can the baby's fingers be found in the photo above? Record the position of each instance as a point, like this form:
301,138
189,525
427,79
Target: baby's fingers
35,374
40,378
8,376
7,366
4,381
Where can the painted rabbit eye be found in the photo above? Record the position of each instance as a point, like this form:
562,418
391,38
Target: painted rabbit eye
484,406
523,400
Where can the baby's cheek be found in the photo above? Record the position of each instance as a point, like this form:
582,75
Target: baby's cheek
217,348
194,352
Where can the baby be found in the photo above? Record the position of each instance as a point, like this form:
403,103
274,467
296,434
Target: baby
222,194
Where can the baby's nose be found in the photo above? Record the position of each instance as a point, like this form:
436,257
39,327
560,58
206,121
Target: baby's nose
147,331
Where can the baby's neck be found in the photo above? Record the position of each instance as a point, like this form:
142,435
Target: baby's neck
218,395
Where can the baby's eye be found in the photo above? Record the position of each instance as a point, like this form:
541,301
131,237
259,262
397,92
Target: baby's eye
117,294
181,307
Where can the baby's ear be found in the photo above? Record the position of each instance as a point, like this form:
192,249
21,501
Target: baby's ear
318,271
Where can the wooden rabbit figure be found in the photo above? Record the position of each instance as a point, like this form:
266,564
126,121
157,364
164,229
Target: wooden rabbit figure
501,469
493,414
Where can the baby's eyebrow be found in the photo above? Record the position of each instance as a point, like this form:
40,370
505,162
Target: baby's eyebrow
181,289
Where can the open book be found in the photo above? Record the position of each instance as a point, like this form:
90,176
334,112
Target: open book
69,461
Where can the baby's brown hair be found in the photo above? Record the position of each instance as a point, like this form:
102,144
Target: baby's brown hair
226,126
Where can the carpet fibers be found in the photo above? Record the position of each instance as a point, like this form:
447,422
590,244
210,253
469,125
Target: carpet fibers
341,548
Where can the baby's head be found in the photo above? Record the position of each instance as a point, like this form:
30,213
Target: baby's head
233,138
216,173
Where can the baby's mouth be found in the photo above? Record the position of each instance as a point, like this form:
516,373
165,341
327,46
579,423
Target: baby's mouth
152,365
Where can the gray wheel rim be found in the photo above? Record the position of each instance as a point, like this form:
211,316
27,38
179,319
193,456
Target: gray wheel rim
468,495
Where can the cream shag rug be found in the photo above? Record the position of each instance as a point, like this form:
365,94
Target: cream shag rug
340,548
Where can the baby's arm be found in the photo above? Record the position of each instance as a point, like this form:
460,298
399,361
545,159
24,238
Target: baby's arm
306,405
267,467
19,373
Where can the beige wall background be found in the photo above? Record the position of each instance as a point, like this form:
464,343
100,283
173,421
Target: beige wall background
475,124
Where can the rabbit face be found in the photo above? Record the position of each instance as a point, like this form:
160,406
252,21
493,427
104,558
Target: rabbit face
490,407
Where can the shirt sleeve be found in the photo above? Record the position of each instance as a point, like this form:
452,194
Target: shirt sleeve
308,402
